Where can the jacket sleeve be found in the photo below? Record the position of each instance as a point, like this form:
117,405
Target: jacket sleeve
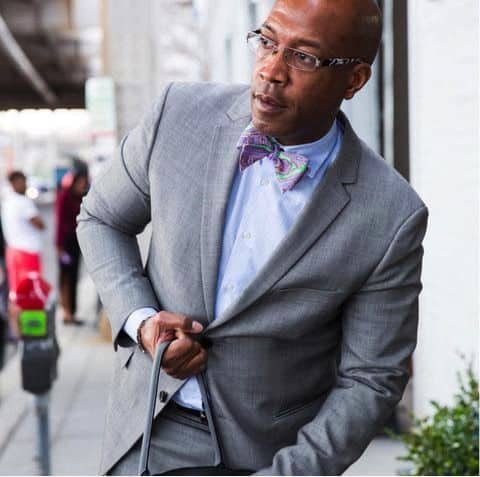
115,210
379,325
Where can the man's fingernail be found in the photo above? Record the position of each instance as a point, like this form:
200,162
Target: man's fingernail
196,326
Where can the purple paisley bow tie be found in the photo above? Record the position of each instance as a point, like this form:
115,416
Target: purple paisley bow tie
289,167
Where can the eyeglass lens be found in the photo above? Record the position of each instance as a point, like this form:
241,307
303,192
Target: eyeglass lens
263,46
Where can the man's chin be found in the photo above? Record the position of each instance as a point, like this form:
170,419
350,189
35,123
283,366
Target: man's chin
266,127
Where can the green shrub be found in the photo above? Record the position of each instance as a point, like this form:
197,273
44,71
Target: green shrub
446,443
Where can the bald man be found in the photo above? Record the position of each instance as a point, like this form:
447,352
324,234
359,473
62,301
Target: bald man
284,264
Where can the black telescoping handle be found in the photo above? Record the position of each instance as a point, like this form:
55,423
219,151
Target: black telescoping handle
152,399
218,468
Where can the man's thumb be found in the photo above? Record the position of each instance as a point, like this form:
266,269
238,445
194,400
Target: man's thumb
196,327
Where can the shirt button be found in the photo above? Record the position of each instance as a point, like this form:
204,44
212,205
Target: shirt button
246,235
229,287
264,182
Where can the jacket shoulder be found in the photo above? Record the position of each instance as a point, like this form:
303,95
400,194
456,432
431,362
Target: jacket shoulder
384,185
206,99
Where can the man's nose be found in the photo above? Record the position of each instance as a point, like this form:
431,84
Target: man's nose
273,68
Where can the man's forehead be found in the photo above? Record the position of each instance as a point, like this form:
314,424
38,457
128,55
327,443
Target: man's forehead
312,11
317,21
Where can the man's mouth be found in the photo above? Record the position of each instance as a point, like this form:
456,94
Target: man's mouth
268,104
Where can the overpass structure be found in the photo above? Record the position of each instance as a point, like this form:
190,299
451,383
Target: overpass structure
48,48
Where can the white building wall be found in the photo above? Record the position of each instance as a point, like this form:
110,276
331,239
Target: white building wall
86,14
225,26
129,59
443,55
149,46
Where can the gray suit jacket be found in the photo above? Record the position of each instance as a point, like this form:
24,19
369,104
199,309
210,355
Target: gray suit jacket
309,362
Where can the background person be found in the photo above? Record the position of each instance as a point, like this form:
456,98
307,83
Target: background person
5,332
294,246
22,228
67,208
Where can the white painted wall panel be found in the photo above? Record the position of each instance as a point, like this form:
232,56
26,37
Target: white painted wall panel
443,49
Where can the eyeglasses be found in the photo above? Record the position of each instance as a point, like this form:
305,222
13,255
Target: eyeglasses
263,46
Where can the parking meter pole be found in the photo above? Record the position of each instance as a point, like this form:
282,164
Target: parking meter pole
41,406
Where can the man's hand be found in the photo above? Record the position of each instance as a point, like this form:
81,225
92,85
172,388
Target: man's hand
184,357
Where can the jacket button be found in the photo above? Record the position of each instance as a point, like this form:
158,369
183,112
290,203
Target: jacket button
163,396
205,342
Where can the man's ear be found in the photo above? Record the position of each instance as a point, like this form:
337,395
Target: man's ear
359,75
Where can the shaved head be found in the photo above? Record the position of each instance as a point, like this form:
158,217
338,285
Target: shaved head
366,25
356,25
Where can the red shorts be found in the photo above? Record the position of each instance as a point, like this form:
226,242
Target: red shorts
19,263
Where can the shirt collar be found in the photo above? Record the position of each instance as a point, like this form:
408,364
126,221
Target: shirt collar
317,152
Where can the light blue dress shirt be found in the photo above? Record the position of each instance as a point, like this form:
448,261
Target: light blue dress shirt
258,216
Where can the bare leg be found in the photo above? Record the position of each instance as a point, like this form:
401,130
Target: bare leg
65,297
13,314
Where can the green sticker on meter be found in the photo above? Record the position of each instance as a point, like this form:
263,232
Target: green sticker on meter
33,323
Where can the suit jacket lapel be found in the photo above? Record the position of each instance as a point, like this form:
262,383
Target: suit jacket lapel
326,204
221,168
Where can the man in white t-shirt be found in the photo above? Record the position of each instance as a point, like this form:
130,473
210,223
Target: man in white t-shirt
22,228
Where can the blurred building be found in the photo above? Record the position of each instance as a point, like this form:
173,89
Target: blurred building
148,44
48,49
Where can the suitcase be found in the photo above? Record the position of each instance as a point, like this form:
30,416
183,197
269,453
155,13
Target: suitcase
219,469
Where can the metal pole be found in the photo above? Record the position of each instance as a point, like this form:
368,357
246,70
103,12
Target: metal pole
41,406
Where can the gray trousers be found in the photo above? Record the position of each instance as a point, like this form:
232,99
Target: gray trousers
177,441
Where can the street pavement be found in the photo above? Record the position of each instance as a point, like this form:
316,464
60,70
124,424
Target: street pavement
77,402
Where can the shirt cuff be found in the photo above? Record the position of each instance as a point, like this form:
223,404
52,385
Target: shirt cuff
133,321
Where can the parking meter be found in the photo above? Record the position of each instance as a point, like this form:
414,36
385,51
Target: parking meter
36,321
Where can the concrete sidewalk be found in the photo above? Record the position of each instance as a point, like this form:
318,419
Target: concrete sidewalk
77,407
78,403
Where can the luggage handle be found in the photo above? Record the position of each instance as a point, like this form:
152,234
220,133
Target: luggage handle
152,400
219,468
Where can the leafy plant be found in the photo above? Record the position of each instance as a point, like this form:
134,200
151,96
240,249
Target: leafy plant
446,443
